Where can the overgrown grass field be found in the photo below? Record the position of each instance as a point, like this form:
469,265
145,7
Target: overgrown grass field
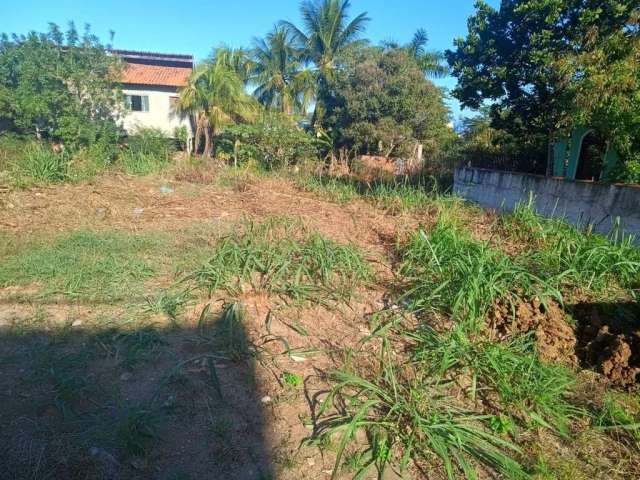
284,334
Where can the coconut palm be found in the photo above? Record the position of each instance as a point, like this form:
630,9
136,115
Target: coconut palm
325,34
431,62
278,72
236,59
214,97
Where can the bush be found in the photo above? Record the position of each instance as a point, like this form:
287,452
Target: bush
273,141
147,150
38,163
627,172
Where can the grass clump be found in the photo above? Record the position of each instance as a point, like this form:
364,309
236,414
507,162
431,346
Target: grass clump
280,256
84,265
534,391
449,271
572,257
620,416
407,415
394,196
149,150
38,163
333,188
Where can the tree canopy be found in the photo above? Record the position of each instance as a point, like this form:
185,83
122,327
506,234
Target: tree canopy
382,103
58,85
545,66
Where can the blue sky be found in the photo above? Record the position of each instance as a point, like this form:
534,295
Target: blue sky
195,26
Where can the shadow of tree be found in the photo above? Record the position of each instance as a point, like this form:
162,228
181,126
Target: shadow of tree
120,403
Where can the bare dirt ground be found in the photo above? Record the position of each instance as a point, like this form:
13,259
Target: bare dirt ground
133,203
255,429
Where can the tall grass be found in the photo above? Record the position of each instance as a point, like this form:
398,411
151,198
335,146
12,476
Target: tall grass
39,164
406,415
449,271
280,256
393,195
148,150
571,257
535,391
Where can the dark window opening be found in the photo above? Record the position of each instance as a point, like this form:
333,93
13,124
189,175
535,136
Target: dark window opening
138,103
591,158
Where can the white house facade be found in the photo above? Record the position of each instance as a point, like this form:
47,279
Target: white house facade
150,83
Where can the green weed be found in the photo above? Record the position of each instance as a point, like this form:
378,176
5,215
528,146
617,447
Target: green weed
137,430
571,257
293,380
447,270
39,164
407,415
620,416
535,391
170,303
148,150
279,256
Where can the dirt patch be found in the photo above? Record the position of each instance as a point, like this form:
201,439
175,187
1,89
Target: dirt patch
139,204
606,338
609,340
555,337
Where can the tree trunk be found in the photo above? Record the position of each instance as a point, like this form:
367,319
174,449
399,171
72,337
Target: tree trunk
198,136
207,142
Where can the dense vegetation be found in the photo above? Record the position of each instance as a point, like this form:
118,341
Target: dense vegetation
545,67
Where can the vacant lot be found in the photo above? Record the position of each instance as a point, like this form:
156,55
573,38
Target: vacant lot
220,323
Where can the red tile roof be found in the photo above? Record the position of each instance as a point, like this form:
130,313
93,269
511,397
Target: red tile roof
141,74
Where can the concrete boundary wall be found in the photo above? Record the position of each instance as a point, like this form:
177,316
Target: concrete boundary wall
579,203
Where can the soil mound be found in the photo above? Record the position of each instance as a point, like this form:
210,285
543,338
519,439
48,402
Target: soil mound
609,340
555,337
606,338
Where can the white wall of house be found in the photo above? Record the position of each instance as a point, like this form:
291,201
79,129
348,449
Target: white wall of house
160,114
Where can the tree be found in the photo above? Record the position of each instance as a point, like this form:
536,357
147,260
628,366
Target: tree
382,103
431,62
214,97
514,58
326,33
282,81
237,60
59,86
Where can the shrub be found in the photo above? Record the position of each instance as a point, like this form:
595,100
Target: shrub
627,172
147,150
273,141
38,163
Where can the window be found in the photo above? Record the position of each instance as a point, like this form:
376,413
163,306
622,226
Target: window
173,103
137,103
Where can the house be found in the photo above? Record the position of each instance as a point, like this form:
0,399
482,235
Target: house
150,82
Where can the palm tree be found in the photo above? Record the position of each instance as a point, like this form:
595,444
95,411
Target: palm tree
214,97
326,33
282,81
236,59
431,62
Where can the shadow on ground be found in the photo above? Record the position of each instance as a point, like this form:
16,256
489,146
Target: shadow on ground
608,339
127,403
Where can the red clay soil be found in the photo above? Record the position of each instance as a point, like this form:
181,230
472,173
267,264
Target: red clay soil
608,344
555,338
